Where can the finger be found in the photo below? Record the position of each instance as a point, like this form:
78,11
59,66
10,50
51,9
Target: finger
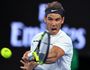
33,64
22,62
25,54
23,67
24,57
26,61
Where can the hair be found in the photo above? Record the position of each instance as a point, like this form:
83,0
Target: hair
55,5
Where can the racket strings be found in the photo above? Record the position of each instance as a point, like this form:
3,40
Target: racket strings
43,47
48,45
38,46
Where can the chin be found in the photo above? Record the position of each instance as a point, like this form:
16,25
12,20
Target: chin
54,32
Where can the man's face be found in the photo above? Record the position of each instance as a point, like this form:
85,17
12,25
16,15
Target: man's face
53,22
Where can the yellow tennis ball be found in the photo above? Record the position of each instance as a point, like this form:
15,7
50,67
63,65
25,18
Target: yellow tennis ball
6,52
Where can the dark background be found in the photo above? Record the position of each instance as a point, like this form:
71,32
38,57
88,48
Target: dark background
77,15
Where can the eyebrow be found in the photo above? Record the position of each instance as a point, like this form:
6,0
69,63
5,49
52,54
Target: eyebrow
55,18
49,17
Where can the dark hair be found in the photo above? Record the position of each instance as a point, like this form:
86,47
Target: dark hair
55,5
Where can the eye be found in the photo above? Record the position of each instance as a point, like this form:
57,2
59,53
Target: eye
49,18
58,19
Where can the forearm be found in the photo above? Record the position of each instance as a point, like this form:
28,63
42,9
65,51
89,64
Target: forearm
54,54
52,57
50,60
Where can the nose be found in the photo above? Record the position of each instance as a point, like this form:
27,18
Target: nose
53,22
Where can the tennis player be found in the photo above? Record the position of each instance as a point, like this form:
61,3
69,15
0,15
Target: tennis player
60,50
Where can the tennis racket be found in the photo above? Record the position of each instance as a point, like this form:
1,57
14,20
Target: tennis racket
41,52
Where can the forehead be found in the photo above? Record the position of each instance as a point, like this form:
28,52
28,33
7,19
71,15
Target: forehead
54,15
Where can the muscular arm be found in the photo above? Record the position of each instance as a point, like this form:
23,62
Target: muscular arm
54,54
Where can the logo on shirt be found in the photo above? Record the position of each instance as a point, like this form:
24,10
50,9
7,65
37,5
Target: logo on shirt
41,42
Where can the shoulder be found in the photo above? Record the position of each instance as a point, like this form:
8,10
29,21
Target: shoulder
65,36
64,42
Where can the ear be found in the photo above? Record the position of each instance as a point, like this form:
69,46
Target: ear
45,19
62,20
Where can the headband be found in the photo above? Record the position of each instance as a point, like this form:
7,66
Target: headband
58,11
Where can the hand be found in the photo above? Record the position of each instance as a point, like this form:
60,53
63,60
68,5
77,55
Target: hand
25,56
28,65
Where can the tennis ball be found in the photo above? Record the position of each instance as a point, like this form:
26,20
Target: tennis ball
6,52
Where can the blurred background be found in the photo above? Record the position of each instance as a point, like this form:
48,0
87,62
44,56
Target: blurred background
20,20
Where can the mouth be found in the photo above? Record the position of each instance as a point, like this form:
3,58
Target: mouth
53,29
